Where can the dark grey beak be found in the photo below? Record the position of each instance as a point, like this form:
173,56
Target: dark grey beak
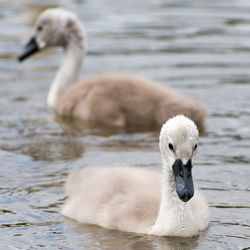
30,48
183,179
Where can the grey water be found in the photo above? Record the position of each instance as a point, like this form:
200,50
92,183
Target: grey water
200,48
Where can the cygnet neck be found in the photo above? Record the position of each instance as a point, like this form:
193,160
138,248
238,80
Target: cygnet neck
172,213
69,71
169,197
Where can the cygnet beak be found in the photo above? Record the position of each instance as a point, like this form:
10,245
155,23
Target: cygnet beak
30,48
183,179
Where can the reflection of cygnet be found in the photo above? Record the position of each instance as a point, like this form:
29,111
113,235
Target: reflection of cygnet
111,99
139,200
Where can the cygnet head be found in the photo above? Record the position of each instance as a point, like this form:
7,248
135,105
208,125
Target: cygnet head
178,142
54,27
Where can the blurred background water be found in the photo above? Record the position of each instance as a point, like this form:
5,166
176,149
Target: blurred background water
201,48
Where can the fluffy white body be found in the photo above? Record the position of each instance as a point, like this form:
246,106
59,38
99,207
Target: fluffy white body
139,200
111,99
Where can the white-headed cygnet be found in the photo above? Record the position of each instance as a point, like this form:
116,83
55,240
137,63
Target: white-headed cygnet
144,201
113,99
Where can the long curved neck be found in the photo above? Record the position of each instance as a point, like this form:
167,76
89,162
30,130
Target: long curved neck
174,217
68,72
169,198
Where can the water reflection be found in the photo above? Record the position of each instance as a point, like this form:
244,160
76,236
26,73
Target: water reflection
94,236
80,128
200,48
40,140
51,149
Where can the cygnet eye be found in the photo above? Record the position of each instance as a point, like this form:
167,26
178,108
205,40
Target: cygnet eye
171,147
39,28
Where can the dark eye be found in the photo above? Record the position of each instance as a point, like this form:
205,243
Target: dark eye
171,147
40,28
195,147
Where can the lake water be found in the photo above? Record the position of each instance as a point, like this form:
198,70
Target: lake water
201,48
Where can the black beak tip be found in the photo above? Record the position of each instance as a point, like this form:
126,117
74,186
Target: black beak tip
30,48
186,197
20,58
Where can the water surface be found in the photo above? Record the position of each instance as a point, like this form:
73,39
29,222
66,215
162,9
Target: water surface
200,48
